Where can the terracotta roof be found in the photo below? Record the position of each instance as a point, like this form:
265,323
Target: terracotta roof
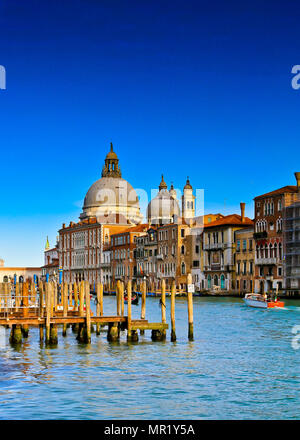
283,190
232,219
138,228
53,264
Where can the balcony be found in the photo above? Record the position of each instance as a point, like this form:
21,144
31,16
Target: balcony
159,257
258,235
213,246
266,261
104,264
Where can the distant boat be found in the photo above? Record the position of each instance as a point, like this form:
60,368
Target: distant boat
261,301
134,299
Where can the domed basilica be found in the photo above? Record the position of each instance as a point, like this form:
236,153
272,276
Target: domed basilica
112,199
111,207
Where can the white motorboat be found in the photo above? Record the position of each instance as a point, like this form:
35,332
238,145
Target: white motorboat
261,301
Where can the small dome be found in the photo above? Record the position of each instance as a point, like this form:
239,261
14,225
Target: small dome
188,185
164,208
163,184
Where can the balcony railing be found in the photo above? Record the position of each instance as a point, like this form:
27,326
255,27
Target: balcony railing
213,246
263,261
258,235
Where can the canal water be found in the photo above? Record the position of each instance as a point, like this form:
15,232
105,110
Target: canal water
240,366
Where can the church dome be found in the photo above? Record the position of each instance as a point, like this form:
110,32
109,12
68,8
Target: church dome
112,199
164,208
187,185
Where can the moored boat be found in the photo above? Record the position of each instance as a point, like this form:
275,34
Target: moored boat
134,299
262,301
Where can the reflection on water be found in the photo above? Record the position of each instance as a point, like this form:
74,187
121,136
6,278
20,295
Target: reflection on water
241,365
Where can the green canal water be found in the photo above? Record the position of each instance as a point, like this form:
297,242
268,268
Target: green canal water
240,366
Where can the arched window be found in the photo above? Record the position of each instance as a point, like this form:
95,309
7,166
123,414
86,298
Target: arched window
261,252
182,269
280,251
270,250
192,205
182,250
5,279
216,281
257,251
266,251
188,205
222,282
275,250
209,282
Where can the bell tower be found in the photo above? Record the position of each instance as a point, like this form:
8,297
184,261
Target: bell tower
188,201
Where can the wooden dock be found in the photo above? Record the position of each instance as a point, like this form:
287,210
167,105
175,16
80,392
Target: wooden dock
50,305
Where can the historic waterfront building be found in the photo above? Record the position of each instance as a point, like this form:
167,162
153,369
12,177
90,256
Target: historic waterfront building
123,253
219,250
244,260
50,270
195,245
111,206
268,235
18,274
173,255
146,258
291,240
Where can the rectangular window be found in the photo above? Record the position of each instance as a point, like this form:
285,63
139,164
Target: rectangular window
182,232
244,245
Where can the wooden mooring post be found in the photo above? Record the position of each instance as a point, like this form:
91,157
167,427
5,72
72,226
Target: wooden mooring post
132,335
160,334
122,298
143,308
99,307
190,307
65,301
173,295
25,302
48,316
87,335
53,327
41,309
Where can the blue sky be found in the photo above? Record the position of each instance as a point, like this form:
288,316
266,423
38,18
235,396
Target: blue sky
188,87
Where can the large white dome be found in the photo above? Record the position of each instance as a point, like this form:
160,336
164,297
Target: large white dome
112,199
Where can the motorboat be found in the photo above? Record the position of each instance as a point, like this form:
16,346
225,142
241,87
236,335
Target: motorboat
262,301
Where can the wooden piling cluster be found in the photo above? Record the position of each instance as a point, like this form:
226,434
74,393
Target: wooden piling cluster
49,306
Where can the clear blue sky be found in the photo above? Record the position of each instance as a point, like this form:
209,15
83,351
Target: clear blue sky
185,87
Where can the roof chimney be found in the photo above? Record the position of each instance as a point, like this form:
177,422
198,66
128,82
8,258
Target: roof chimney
242,205
297,175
